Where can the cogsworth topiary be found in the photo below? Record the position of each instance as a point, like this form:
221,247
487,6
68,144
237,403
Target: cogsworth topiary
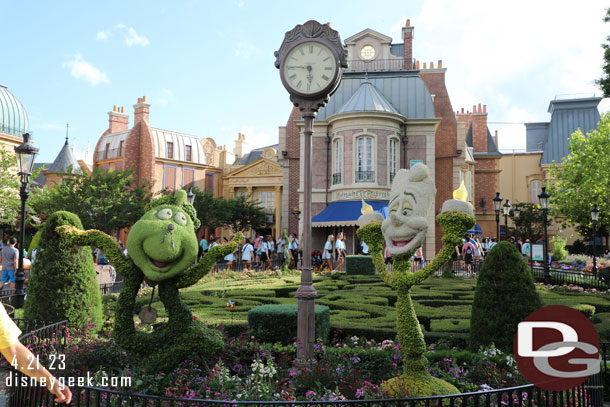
403,231
162,249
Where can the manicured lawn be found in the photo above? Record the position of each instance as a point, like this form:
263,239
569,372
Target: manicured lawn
363,305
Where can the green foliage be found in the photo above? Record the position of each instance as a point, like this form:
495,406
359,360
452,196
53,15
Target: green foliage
583,179
103,200
278,323
211,211
586,309
62,282
529,224
504,296
559,251
359,264
239,212
9,187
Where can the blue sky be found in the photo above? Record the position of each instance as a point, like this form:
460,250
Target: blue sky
207,67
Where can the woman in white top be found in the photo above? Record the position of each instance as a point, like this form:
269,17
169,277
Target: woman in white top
229,258
327,253
264,248
246,254
340,249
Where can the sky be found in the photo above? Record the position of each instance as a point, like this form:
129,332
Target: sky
207,67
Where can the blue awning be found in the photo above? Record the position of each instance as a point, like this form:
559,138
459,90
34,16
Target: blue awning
346,213
476,230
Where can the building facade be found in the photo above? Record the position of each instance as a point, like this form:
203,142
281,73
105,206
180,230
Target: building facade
390,112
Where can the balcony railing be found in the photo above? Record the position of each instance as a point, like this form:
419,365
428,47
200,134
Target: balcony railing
336,178
108,154
358,65
365,176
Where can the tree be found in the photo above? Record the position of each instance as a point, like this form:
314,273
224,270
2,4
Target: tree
583,179
529,224
244,213
504,296
62,282
211,211
103,200
604,81
9,187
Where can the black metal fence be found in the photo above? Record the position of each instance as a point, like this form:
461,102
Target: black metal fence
583,279
590,393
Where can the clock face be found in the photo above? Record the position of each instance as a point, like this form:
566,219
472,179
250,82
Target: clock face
309,68
367,52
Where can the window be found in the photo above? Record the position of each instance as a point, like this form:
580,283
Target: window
393,158
337,161
121,148
106,151
188,154
169,177
267,200
188,176
469,186
170,150
364,160
536,190
209,183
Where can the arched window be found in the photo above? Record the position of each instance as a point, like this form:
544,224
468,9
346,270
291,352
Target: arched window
393,157
536,187
337,161
364,159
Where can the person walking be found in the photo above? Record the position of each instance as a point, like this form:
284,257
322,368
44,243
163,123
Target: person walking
293,246
9,258
327,253
246,254
340,249
418,259
229,258
468,252
203,248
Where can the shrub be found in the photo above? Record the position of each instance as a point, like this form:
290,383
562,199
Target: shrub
559,251
278,322
504,296
586,309
359,264
62,282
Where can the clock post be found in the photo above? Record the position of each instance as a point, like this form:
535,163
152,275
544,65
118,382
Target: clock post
311,60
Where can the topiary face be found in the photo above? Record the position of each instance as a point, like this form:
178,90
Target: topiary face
163,242
412,194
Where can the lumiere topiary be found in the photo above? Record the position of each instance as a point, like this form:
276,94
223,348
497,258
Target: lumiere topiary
162,247
403,231
62,282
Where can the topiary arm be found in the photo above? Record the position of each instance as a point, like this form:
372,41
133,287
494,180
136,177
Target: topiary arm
372,236
197,272
454,225
97,238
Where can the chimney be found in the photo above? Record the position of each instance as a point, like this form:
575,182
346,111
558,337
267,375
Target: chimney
407,35
141,111
479,129
117,121
240,145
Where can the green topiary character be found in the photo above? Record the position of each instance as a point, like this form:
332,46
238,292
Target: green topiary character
62,282
403,231
505,284
162,247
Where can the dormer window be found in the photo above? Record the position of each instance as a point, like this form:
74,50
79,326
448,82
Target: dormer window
170,150
188,153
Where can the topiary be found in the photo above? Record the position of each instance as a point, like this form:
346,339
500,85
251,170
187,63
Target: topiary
504,296
278,322
559,251
162,249
62,283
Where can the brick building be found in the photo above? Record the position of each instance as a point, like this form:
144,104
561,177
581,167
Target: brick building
172,160
389,112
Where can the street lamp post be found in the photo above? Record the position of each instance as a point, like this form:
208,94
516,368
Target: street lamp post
594,218
544,203
25,160
506,210
516,213
497,203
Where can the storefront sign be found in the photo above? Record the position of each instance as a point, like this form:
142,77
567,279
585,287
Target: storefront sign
361,194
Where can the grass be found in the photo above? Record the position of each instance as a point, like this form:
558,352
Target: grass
362,305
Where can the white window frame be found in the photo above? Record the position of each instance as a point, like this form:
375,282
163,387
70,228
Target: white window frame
373,157
393,157
337,161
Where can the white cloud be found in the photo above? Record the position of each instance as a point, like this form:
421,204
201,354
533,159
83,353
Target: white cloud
245,50
102,35
81,69
166,96
256,137
132,38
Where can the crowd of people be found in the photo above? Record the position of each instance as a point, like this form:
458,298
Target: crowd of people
262,250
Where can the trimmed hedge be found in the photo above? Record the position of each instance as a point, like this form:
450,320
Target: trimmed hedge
278,322
586,309
359,265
